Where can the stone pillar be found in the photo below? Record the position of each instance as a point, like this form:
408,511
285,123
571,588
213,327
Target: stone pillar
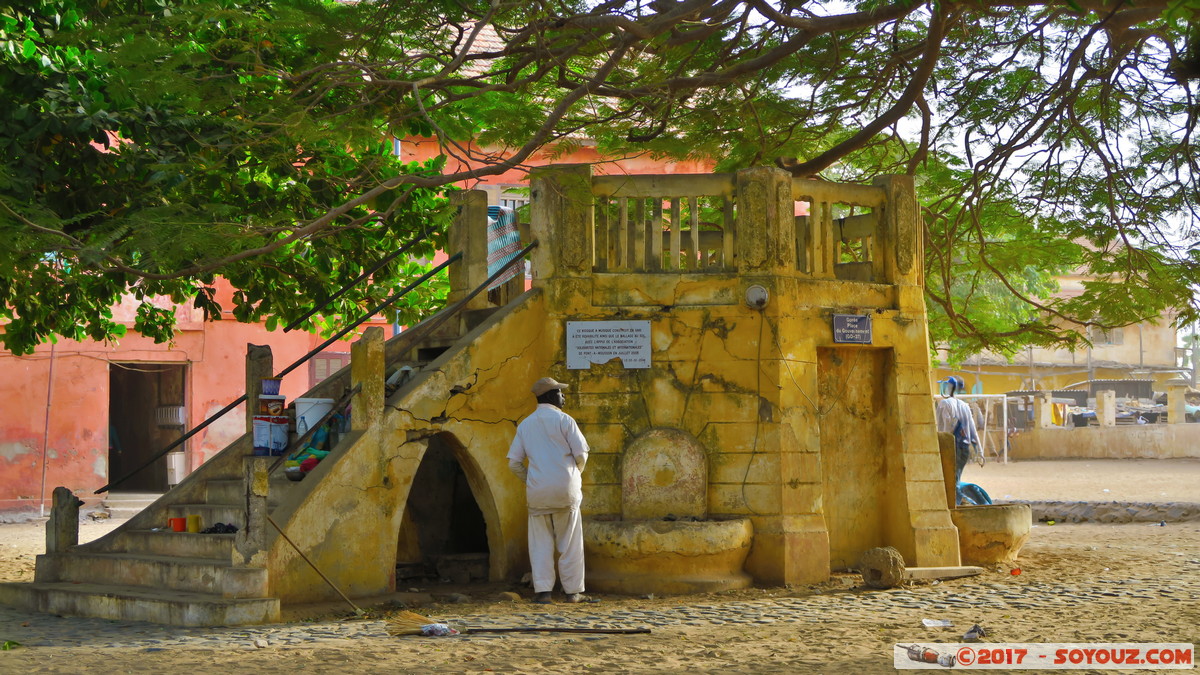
259,365
791,539
766,237
250,542
62,530
1043,415
366,368
1106,408
901,234
916,518
468,235
949,464
562,221
1176,392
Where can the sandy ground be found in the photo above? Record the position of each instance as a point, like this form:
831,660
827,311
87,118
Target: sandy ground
1061,597
1091,480
20,543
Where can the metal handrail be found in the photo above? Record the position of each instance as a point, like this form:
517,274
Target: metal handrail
386,259
441,317
414,333
321,347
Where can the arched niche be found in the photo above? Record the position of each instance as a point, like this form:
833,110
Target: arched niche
449,517
664,472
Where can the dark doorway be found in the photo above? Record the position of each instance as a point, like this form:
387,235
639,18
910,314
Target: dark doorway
443,532
145,414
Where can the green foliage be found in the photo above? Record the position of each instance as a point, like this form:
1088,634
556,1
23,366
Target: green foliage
149,146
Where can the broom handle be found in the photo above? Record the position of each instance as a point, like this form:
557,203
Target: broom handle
609,631
316,569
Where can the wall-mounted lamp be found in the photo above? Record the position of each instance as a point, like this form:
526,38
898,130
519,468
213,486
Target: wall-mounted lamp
757,297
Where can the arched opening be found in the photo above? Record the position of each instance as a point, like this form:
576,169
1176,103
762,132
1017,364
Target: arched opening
443,534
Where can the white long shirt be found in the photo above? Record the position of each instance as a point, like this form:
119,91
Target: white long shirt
951,411
557,452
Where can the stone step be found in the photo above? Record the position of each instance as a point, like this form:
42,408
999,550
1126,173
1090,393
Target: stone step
128,504
132,603
179,544
226,491
232,490
210,514
213,576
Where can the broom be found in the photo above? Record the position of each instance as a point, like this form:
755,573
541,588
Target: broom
411,623
407,623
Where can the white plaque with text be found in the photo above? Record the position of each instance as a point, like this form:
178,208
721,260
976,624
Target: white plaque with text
591,342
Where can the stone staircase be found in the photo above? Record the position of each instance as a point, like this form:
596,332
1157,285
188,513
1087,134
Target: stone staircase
144,571
128,504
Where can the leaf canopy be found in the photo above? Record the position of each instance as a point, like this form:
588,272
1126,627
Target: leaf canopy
151,145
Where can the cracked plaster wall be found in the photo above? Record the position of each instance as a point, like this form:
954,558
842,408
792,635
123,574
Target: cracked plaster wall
744,383
473,395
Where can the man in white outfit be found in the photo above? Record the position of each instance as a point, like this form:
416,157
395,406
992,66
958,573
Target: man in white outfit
556,452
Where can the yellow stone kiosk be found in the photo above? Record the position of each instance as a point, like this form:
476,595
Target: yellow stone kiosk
754,385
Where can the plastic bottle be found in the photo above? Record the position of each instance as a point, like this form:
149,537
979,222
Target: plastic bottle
302,426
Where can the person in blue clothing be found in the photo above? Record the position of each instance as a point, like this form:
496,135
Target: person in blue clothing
954,416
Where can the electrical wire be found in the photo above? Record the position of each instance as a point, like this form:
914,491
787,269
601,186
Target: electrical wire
762,320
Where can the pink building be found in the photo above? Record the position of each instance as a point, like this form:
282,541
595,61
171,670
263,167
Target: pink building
83,413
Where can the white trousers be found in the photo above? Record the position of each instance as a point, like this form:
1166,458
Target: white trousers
564,530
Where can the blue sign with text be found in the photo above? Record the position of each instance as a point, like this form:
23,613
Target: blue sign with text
852,328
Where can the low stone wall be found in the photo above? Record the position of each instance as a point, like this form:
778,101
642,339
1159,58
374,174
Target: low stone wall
1113,512
1148,441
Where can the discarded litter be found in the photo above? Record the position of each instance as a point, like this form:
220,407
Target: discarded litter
937,623
1016,571
9,644
436,629
974,633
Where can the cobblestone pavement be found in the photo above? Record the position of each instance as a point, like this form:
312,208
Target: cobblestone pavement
41,630
1078,583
